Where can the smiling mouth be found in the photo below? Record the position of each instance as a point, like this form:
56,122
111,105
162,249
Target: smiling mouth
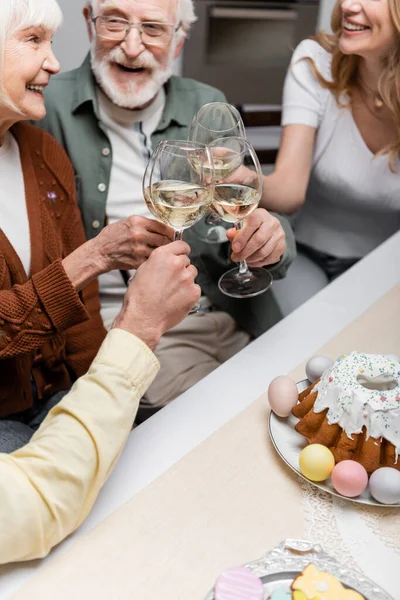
38,89
131,69
348,26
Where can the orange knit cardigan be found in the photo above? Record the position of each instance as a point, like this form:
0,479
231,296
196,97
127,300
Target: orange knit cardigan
47,330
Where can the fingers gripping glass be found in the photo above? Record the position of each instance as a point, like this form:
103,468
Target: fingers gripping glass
151,33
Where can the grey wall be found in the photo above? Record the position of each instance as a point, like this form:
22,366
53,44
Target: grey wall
71,41
324,17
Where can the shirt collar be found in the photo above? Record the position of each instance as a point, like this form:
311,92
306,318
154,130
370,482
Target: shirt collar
174,110
85,87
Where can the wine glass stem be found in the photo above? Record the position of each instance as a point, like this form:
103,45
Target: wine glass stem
243,267
178,235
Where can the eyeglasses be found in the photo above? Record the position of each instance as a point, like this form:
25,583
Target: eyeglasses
151,33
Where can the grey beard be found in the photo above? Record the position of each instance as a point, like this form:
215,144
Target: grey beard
131,98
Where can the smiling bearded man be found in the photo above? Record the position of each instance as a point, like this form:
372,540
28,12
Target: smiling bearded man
110,114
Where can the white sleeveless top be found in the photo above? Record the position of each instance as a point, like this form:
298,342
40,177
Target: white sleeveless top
353,199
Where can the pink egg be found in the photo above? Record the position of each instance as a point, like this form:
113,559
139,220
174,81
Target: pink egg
282,395
239,584
349,478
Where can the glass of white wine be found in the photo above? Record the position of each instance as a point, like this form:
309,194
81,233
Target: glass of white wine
236,196
180,183
214,121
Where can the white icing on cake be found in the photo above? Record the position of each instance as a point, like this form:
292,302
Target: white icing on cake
354,406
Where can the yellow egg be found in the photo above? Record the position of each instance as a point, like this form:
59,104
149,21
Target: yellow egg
316,462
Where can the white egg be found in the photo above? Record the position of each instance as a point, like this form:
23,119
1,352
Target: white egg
317,365
384,485
282,395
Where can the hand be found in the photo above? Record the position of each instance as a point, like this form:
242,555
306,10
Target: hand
161,294
260,242
128,243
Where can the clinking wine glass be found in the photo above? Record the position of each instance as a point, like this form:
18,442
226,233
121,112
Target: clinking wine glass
214,121
146,183
180,184
236,196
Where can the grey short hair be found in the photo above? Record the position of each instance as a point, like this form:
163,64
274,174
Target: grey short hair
186,14
16,15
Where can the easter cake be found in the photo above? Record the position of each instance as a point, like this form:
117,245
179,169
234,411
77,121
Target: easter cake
354,410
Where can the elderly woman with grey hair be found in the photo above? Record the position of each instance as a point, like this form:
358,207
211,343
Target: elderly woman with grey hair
50,324
49,313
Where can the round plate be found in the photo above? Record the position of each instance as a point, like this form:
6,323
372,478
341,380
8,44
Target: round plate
278,568
288,443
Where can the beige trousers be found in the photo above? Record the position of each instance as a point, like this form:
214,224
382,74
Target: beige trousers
192,350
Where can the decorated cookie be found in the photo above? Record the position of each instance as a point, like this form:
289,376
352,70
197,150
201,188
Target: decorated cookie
316,583
238,584
299,595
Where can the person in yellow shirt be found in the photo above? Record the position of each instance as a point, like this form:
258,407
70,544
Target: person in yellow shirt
48,487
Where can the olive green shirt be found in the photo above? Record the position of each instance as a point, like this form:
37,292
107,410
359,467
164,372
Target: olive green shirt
73,119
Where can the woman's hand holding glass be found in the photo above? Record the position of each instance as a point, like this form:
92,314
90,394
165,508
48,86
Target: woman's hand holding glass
237,193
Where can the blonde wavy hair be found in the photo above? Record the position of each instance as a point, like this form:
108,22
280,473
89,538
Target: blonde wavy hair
344,71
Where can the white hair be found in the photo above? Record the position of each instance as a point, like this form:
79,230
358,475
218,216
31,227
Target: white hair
185,14
17,15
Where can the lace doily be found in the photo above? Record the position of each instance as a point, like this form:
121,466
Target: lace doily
385,523
366,538
321,525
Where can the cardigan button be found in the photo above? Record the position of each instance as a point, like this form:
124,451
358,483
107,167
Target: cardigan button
106,151
96,224
102,187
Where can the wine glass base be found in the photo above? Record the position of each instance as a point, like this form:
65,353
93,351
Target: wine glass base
255,282
213,235
195,309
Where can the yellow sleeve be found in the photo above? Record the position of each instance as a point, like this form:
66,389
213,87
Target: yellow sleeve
48,487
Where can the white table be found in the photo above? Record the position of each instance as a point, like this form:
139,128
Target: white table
168,436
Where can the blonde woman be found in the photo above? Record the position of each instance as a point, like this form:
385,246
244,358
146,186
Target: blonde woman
338,164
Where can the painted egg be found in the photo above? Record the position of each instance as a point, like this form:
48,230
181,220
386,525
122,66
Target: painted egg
316,462
239,584
349,478
282,395
384,485
317,365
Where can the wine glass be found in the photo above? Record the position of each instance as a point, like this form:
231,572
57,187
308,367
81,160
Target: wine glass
214,121
180,185
236,196
146,182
